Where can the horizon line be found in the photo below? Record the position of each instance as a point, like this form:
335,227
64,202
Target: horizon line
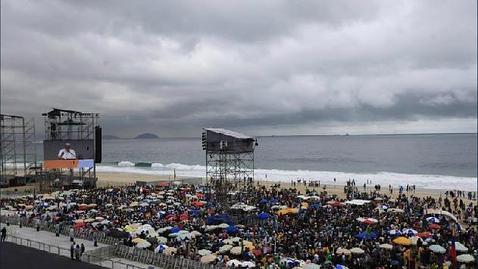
284,135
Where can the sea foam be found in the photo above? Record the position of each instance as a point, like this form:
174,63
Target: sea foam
326,177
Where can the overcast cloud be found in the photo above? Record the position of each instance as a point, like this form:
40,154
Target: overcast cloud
262,67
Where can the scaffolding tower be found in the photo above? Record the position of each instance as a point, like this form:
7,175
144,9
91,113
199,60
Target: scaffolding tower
229,161
17,150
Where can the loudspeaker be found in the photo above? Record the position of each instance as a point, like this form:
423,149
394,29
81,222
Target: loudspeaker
98,144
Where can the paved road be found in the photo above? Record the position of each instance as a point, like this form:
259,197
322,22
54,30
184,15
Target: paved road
20,257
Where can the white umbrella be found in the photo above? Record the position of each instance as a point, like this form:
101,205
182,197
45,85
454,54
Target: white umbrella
357,250
460,247
210,228
204,252
437,249
465,258
233,263
311,266
164,229
409,231
227,241
394,232
341,251
248,264
236,239
235,250
193,234
161,239
208,258
433,220
223,225
225,248
143,244
386,246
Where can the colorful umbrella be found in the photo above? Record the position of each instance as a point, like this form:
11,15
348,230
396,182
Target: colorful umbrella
402,241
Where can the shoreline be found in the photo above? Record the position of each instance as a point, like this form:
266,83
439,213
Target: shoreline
422,181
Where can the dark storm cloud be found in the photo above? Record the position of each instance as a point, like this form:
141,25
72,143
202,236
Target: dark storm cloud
175,66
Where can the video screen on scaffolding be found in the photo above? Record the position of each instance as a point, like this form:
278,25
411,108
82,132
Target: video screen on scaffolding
68,153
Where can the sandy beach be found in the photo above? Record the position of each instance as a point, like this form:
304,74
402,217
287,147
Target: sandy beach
106,179
120,179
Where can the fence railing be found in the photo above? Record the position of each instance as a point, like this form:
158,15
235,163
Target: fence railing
119,250
86,257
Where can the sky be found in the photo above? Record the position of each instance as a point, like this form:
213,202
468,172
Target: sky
260,67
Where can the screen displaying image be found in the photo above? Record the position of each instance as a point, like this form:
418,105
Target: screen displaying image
68,149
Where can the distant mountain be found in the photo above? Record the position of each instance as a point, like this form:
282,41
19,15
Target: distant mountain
110,137
146,136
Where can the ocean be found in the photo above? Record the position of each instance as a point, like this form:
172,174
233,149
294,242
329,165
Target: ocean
433,161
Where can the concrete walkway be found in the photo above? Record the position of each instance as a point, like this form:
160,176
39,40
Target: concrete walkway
64,242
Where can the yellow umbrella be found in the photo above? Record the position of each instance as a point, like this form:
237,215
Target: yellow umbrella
248,244
137,240
208,258
401,240
288,210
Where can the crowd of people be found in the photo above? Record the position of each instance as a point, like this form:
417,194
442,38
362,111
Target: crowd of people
273,226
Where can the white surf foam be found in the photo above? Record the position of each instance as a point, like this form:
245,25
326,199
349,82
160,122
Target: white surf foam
325,177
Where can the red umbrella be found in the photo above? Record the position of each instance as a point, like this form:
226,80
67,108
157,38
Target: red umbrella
198,203
171,217
184,216
257,252
335,203
368,222
79,225
424,234
434,226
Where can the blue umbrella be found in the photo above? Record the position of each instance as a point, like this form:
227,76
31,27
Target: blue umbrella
174,230
232,229
194,212
263,216
263,201
366,235
315,206
218,219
